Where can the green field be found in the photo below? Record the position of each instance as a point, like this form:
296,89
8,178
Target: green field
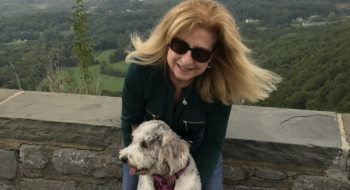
109,83
298,24
15,43
66,32
103,55
261,28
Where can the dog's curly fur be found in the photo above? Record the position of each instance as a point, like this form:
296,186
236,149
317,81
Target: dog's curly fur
156,149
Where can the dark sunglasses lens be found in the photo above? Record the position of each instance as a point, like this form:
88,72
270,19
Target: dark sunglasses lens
179,46
200,55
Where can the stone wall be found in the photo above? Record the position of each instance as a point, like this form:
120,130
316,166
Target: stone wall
64,141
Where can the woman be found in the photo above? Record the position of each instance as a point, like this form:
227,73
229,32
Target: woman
188,73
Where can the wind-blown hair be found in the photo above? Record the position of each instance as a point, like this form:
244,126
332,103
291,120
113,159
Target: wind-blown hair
233,75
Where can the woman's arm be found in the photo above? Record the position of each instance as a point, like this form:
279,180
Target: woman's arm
133,104
213,140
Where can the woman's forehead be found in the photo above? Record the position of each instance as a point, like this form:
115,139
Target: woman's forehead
198,37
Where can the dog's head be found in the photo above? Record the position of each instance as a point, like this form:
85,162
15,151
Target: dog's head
155,149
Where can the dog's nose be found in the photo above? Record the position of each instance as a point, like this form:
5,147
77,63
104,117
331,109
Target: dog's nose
124,159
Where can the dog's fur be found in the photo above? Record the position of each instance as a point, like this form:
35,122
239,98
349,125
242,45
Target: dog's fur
156,149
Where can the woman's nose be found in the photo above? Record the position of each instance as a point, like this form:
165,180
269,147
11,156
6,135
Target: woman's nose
187,57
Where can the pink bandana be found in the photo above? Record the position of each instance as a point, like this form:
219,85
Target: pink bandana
168,182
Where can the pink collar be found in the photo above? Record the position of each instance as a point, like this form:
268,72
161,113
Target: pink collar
168,182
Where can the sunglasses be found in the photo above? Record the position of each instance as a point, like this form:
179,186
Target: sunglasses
198,54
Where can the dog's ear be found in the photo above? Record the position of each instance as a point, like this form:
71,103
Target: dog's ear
134,127
174,154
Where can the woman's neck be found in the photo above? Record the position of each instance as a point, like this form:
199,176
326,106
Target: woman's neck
179,83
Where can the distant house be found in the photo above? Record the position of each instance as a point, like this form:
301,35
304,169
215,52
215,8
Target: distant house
306,23
18,40
250,20
299,19
313,16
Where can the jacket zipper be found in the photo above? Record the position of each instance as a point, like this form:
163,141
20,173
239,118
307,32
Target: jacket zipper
154,116
192,122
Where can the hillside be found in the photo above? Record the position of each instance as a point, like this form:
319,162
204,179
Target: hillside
312,60
314,63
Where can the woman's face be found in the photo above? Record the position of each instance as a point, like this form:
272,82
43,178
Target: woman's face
183,69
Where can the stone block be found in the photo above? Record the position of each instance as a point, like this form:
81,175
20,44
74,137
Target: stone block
7,187
230,173
84,162
42,184
289,136
8,164
314,156
33,156
307,182
274,175
102,187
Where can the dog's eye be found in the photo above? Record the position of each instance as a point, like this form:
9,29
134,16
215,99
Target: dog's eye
144,144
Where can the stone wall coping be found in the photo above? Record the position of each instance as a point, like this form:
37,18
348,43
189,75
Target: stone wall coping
314,136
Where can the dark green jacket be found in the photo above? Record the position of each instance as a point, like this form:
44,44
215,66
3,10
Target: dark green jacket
149,94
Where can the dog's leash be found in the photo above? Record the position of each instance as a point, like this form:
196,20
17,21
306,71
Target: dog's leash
168,182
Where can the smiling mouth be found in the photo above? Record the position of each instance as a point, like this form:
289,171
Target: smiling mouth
133,170
183,68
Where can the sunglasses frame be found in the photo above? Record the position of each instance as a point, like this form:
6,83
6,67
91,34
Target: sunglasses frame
194,57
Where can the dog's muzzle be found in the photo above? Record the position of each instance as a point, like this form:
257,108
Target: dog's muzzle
124,159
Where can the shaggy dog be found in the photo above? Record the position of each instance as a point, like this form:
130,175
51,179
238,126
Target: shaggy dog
161,158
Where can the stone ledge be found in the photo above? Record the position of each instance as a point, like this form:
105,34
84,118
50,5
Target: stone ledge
299,137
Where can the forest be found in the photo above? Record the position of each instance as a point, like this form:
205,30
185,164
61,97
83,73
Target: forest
313,61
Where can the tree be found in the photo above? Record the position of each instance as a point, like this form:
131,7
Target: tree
82,44
331,16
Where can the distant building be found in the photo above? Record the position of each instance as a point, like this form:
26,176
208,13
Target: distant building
306,23
313,16
299,19
250,20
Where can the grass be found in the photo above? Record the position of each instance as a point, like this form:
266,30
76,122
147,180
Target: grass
261,28
65,32
110,83
103,55
296,24
15,43
39,6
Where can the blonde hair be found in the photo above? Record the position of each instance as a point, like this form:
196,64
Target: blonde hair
232,77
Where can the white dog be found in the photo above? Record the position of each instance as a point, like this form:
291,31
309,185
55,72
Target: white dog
161,159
